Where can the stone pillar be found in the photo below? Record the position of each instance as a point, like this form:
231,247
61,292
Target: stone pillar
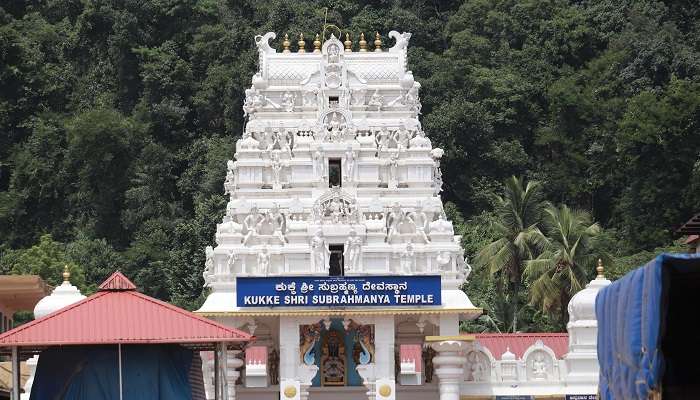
289,348
232,372
384,347
449,367
306,375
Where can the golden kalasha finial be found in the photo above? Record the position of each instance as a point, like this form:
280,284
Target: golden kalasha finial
285,44
363,43
302,44
348,43
600,270
377,42
317,44
66,273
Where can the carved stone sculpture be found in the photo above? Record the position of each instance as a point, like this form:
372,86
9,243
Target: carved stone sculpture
208,273
264,262
421,220
376,101
320,252
250,224
288,101
408,260
353,252
230,182
349,164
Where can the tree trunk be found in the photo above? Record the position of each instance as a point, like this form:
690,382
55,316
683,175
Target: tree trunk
514,304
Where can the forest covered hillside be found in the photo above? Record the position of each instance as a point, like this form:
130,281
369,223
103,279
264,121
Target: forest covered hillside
117,118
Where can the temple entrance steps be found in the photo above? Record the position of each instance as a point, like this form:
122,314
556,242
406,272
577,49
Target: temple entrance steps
423,392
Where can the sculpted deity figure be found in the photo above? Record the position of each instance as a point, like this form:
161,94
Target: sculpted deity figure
402,137
478,370
250,224
333,54
336,127
408,259
358,97
310,96
276,167
208,273
352,212
288,101
264,262
230,182
248,102
539,367
335,208
230,261
420,141
320,165
268,140
253,102
393,219
393,164
421,221
353,251
284,140
382,139
349,164
278,219
412,100
376,100
320,252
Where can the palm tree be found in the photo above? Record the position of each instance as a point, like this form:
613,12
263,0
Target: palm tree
567,261
519,212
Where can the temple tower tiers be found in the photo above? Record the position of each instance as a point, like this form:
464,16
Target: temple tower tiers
334,177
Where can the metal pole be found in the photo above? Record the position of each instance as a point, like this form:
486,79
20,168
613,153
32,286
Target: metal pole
15,373
217,381
224,372
121,393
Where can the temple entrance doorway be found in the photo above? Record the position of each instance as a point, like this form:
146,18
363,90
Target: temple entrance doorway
337,352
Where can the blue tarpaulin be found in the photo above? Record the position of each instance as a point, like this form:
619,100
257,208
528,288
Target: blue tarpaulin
149,372
633,314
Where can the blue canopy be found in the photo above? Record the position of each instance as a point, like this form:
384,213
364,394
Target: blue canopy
149,372
633,316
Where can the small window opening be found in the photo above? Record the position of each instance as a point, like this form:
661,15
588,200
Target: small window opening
333,101
334,172
336,261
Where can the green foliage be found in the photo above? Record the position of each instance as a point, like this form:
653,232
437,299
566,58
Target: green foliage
46,259
567,262
517,239
116,119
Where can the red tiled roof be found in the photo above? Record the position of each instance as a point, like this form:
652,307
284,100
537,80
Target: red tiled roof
518,343
120,314
692,239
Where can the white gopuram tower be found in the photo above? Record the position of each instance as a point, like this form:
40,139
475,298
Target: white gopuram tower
335,251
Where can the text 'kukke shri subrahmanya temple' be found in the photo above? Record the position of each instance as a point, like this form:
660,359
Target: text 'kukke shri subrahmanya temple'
335,251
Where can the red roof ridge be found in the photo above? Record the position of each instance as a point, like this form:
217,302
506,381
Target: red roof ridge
212,331
117,281
527,334
51,315
191,314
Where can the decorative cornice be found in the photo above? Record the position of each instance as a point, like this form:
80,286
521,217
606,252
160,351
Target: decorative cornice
338,312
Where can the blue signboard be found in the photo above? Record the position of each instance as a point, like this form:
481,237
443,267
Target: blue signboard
338,291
